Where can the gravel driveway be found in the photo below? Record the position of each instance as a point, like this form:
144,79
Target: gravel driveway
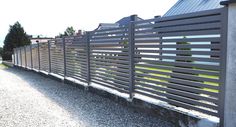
28,99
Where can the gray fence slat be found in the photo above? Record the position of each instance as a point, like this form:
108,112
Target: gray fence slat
213,46
111,57
181,33
110,60
109,41
108,74
110,37
111,79
92,45
178,81
117,53
182,93
180,58
118,86
181,64
179,75
110,67
111,49
109,33
110,64
106,69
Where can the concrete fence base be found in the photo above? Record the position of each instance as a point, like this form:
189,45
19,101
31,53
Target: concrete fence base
165,112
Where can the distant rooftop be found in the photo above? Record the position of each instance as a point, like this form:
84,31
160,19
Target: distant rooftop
126,20
189,6
122,22
107,26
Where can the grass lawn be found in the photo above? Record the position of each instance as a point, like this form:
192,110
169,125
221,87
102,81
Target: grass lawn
169,71
2,66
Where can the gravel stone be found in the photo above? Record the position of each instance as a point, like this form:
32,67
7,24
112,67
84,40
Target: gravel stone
29,99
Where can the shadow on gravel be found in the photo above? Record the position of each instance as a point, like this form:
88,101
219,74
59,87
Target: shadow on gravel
88,108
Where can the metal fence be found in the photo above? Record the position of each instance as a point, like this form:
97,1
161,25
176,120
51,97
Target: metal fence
176,59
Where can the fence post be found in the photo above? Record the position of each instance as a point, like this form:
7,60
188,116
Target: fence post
31,56
13,57
88,57
228,78
64,55
13,60
25,57
49,58
20,57
131,56
38,55
17,57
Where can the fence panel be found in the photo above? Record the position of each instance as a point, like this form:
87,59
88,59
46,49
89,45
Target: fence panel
57,56
28,56
76,66
109,58
19,56
35,56
177,60
22,50
44,59
16,57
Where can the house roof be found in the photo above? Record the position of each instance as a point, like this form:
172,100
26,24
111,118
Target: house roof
189,6
122,22
107,26
126,20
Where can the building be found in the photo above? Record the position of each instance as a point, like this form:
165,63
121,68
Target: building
102,26
39,39
122,22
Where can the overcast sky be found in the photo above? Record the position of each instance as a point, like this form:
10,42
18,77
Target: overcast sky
50,17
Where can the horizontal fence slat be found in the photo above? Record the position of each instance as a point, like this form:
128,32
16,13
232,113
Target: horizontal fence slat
178,75
118,86
180,64
183,58
180,93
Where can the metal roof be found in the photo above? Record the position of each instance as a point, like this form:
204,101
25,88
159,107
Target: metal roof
189,6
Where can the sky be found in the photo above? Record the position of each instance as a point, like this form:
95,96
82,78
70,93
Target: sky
51,17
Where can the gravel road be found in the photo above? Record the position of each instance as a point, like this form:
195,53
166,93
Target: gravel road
28,99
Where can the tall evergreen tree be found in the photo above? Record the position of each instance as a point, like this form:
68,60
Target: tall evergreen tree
1,51
16,37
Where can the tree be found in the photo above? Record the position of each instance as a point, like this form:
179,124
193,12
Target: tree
16,37
1,51
70,31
